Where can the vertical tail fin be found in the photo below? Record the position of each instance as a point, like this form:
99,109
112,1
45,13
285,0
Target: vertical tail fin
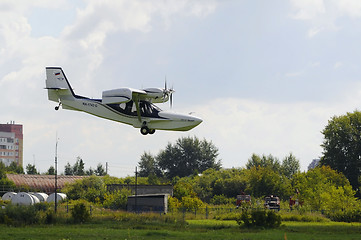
57,84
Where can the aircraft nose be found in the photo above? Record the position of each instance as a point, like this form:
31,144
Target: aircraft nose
196,120
181,122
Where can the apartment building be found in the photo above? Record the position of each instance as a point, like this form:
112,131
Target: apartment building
11,143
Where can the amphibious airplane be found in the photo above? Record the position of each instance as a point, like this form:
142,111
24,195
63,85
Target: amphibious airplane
126,105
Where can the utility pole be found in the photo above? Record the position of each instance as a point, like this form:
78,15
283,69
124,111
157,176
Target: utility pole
136,190
56,173
106,168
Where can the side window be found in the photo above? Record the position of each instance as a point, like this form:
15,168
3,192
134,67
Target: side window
122,106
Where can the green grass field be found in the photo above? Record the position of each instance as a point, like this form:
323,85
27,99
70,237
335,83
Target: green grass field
194,229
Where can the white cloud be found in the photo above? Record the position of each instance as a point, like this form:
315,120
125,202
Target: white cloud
323,15
241,127
314,31
107,16
307,9
81,44
350,8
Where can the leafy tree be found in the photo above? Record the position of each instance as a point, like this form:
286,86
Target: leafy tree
188,155
148,166
290,166
342,146
264,162
68,171
191,203
4,181
117,199
229,182
51,171
78,168
90,172
100,171
2,170
323,188
265,181
221,199
15,168
31,169
90,188
183,189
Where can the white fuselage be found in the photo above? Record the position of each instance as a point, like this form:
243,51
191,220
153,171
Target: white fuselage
163,120
125,105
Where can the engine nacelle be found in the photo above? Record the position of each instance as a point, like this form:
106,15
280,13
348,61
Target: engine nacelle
120,95
157,95
154,92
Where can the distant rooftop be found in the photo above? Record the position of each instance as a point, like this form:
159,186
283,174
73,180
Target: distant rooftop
45,183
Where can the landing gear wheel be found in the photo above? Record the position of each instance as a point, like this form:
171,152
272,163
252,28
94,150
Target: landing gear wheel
151,131
144,130
57,107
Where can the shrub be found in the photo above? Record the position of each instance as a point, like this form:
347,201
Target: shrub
222,200
173,204
19,215
191,203
79,213
42,206
117,199
91,189
50,217
259,218
353,215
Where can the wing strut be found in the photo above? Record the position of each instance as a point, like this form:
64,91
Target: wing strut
136,101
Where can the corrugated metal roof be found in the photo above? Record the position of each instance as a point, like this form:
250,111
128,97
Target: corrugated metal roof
45,183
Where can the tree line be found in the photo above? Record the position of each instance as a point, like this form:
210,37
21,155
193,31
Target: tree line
78,169
193,168
341,152
319,189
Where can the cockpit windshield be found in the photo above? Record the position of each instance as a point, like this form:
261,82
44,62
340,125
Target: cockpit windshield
146,108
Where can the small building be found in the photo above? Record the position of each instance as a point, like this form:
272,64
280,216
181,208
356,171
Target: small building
148,203
143,189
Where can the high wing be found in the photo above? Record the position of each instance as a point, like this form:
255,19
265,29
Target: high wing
124,95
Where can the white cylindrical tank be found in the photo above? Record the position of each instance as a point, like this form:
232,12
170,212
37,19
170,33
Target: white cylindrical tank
23,198
8,196
41,196
60,197
35,198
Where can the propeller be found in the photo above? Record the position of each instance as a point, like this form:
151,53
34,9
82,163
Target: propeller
168,92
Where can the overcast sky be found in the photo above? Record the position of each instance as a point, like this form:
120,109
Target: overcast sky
265,76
